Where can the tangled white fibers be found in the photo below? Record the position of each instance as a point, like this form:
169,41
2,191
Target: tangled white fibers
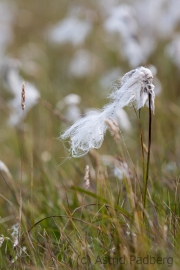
88,132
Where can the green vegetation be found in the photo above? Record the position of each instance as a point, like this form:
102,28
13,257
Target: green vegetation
60,224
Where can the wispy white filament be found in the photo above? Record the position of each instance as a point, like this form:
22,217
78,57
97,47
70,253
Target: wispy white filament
88,132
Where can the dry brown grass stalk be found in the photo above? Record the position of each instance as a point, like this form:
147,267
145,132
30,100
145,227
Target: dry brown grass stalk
86,177
114,129
56,113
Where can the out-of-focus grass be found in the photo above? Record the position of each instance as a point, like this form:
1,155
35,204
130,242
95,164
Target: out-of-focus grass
63,226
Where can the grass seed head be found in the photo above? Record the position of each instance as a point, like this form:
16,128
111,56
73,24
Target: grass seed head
23,96
86,177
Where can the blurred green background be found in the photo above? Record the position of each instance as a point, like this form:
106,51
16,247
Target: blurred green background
100,43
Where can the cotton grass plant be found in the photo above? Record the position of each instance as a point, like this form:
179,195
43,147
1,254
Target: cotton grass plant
136,87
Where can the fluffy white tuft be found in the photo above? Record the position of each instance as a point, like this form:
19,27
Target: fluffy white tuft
88,132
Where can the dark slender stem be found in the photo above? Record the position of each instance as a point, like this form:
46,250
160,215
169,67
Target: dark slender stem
141,140
142,148
148,155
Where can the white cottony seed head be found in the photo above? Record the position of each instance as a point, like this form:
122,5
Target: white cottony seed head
88,132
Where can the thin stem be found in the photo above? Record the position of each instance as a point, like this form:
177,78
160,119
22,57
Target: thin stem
142,148
148,155
21,181
23,99
141,140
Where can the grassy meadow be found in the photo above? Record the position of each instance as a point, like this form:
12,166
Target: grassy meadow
49,219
